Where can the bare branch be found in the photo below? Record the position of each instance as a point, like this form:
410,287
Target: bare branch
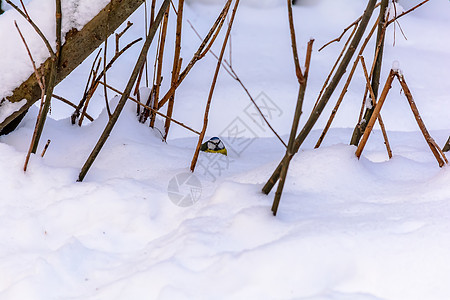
298,70
151,109
35,27
406,12
213,85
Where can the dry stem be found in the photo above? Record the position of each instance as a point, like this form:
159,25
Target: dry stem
45,148
298,70
35,27
375,114
345,88
176,65
380,120
151,109
112,121
213,85
197,56
437,152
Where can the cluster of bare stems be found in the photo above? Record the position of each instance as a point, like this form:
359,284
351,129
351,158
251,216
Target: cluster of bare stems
372,113
46,84
149,108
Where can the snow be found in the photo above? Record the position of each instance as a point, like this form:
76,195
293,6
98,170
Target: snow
7,108
346,229
18,66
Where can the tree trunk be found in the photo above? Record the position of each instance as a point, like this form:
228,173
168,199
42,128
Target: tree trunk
78,46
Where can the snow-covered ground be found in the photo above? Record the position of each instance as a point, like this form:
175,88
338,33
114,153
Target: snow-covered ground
347,229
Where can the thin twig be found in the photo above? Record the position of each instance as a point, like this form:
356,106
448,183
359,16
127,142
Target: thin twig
119,35
159,77
76,113
338,39
213,85
335,65
298,70
173,7
36,72
197,55
375,72
213,39
176,65
346,85
132,80
375,114
91,92
105,51
236,77
406,12
326,96
45,148
151,109
230,70
380,120
35,27
40,80
290,151
64,100
95,79
58,16
225,63
25,9
437,152
51,83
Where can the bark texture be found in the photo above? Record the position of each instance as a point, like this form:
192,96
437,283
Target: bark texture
78,46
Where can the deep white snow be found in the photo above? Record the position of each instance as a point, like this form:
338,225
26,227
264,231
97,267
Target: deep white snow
347,229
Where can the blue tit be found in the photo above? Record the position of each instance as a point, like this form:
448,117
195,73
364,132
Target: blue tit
214,145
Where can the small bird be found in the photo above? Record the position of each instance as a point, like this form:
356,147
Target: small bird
214,145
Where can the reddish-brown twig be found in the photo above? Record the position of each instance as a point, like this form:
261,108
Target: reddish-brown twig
213,85
45,148
406,12
35,27
229,69
176,65
338,39
375,114
151,109
437,152
64,100
119,35
298,70
40,80
372,94
197,56
345,88
335,65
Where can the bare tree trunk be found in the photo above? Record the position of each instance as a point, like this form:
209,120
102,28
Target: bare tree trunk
78,46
